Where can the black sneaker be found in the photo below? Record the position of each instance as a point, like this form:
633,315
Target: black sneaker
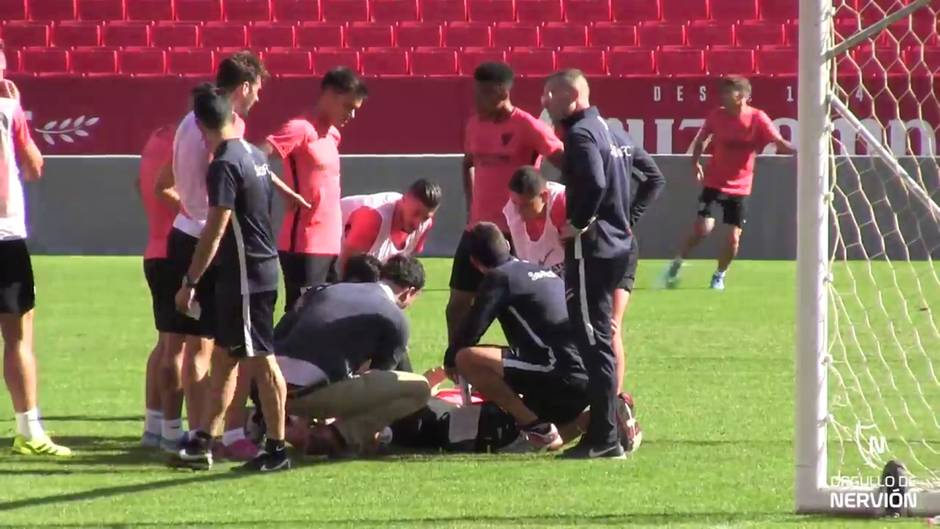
195,453
585,451
268,462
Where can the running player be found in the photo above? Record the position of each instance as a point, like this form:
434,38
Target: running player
19,158
738,132
388,224
498,139
310,239
238,233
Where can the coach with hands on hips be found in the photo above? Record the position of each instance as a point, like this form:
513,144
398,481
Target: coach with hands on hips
596,173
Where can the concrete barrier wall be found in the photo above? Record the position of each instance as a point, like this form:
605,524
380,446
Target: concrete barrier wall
90,205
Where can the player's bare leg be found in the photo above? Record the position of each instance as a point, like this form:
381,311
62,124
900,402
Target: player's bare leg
700,231
237,447
197,356
19,373
153,385
483,368
457,307
728,252
621,300
172,394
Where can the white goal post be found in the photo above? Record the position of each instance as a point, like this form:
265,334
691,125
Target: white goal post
868,293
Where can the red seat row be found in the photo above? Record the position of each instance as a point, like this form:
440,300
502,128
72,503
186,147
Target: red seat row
399,10
406,34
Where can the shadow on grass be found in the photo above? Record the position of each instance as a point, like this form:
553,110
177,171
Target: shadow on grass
88,450
93,418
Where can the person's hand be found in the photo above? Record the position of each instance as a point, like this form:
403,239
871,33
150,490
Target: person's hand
699,172
297,201
570,232
184,299
9,90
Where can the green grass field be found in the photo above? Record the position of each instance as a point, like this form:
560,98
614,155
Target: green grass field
712,374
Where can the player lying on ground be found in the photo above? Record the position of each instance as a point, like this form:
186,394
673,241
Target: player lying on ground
19,158
239,237
309,240
738,132
337,351
541,362
389,224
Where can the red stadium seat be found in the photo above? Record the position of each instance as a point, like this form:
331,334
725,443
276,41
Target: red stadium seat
443,10
246,10
635,10
95,61
271,35
752,33
45,61
683,10
558,34
149,10
326,59
369,35
652,34
415,34
778,10
883,61
923,61
288,62
74,33
434,61
531,61
13,10
792,32
535,11
21,34
703,33
101,9
223,35
199,10
729,61
174,35
674,60
914,31
491,11
13,61
387,61
587,11
470,58
776,60
345,10
394,10
49,10
142,61
467,34
630,62
733,10
607,34
126,34
319,35
508,35
296,10
192,62
591,61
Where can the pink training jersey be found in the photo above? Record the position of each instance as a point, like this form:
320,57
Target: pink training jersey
158,151
736,140
498,149
14,139
311,168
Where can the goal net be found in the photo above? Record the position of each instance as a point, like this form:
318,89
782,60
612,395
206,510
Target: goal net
868,356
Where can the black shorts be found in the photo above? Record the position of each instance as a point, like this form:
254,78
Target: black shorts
163,286
554,396
734,207
463,275
304,270
17,286
245,324
180,249
633,260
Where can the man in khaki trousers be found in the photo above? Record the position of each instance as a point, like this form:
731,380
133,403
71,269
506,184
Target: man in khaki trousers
337,351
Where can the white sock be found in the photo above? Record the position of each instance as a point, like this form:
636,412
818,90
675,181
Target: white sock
172,429
719,273
153,421
28,425
233,436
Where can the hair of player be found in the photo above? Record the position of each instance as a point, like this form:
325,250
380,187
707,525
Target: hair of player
342,80
488,245
736,83
498,73
404,271
527,181
237,69
211,107
427,192
362,268
569,76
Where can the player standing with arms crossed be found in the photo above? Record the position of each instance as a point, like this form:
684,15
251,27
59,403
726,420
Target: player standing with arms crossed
738,132
500,137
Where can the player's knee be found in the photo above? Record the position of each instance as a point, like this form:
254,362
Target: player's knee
734,239
704,227
465,359
417,391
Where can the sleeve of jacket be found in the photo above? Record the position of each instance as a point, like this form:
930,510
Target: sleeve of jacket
486,306
585,180
650,183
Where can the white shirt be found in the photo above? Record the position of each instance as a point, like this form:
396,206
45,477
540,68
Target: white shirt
384,248
548,250
190,166
12,201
